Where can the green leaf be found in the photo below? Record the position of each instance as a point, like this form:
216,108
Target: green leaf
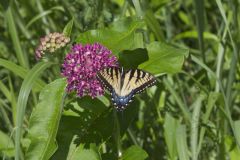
195,125
153,24
26,87
44,121
68,28
6,145
87,121
237,130
170,126
134,152
5,91
164,58
94,105
178,99
181,140
212,99
43,14
21,55
199,5
233,150
121,35
85,154
128,58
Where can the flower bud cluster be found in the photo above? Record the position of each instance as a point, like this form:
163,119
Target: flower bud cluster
50,43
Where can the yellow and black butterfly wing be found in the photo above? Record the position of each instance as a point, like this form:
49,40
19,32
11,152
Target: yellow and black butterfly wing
137,80
110,78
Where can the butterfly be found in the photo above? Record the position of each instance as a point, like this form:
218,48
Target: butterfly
123,85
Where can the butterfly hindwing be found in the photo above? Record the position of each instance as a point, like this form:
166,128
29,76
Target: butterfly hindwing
123,85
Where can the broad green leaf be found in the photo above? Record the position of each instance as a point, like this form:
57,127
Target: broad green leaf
95,105
164,58
84,154
79,123
90,125
25,90
6,145
129,24
68,28
181,140
170,126
121,35
134,152
44,121
128,58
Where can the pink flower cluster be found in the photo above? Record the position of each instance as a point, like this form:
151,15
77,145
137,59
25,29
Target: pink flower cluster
81,66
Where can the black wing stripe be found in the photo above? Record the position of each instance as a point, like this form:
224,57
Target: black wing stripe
131,75
104,82
116,72
111,70
138,75
146,85
143,74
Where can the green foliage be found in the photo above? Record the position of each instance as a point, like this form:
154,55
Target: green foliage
22,100
192,47
121,35
81,153
42,131
169,58
134,152
6,145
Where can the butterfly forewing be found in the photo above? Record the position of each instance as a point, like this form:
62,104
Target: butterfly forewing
110,78
137,81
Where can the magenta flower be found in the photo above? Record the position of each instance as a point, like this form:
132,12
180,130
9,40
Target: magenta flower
81,66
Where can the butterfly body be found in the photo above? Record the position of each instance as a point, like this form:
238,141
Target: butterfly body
123,85
121,101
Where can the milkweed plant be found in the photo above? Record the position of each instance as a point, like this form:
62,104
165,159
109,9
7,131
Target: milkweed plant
54,106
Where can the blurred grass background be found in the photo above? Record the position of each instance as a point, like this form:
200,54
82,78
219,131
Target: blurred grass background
208,88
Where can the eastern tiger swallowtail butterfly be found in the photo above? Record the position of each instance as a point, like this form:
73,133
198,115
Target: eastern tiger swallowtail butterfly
123,85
